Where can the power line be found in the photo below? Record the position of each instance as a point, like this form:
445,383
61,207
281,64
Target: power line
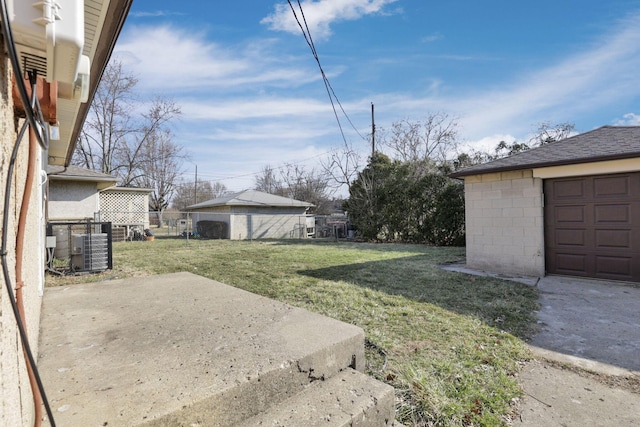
327,84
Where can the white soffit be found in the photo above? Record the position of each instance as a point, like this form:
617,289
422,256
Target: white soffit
584,169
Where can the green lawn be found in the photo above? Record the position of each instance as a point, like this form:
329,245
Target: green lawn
453,342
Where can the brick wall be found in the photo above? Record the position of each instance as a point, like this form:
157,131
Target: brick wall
504,223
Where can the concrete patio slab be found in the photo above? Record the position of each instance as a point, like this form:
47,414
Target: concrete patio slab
180,349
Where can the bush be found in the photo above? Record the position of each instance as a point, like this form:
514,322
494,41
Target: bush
407,202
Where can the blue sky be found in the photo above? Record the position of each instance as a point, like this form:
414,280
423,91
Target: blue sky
251,92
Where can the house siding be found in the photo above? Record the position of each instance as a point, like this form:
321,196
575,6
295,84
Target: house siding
72,200
505,223
16,404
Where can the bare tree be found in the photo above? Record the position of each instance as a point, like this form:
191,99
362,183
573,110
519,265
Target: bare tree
268,181
341,166
296,182
186,194
431,139
160,166
548,132
109,121
114,137
218,189
129,159
307,185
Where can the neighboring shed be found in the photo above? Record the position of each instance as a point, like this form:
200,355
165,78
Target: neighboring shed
74,192
571,207
256,215
78,194
126,208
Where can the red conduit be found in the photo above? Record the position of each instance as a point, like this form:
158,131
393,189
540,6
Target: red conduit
20,240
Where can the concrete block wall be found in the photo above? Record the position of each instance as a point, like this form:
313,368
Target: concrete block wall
267,226
505,223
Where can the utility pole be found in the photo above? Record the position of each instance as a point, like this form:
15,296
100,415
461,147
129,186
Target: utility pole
195,188
373,133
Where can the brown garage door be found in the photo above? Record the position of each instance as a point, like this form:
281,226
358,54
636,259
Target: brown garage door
592,226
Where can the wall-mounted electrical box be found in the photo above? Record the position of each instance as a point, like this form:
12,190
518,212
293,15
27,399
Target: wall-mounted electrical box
49,38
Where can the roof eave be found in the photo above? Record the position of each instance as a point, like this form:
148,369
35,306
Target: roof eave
469,172
130,189
81,178
114,21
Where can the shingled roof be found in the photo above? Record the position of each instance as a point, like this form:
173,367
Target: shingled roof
604,143
75,173
251,198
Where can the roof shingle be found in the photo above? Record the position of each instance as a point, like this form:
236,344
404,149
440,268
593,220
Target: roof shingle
604,143
251,198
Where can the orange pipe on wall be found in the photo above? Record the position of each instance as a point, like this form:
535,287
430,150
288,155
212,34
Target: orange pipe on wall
20,240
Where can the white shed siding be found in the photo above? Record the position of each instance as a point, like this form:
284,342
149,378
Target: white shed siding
505,223
125,207
278,226
252,223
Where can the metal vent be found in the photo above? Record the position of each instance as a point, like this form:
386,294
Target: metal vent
31,62
91,252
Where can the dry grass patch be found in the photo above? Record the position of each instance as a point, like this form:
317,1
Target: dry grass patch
453,343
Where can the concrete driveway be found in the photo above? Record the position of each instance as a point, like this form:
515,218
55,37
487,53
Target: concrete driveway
590,319
594,325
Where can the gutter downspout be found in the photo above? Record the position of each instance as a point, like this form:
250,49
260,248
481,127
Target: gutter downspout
20,241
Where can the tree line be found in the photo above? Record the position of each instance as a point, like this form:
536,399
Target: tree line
404,195
411,198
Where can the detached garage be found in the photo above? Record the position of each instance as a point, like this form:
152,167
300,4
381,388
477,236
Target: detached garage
571,207
253,214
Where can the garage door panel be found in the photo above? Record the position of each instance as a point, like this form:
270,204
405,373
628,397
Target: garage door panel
571,263
611,186
570,237
592,226
569,189
570,214
614,267
610,239
612,213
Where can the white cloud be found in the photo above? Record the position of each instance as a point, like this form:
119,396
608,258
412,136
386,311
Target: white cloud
432,38
321,14
603,74
176,60
629,119
242,109
261,124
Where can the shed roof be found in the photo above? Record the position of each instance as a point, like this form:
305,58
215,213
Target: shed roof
604,143
251,198
75,173
127,190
